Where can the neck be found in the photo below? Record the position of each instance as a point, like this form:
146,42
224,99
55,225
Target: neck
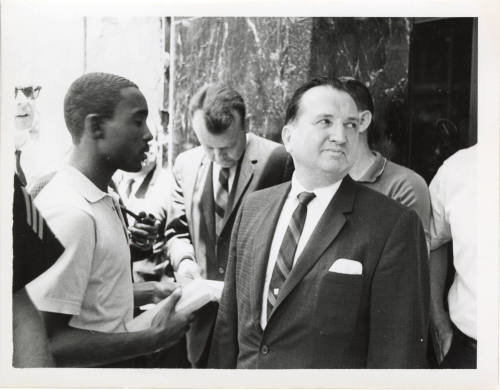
365,158
313,180
88,164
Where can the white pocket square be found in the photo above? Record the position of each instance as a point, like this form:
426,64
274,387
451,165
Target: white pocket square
346,266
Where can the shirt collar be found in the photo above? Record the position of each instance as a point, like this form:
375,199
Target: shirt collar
82,184
323,194
375,170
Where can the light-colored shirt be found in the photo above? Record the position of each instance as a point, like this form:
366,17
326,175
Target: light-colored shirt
92,280
453,198
315,210
401,184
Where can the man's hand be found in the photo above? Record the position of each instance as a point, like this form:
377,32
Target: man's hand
169,325
144,232
188,269
163,289
442,334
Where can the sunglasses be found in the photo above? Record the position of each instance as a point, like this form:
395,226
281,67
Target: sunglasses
30,92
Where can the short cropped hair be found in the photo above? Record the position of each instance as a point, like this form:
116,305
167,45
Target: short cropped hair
354,88
217,101
93,93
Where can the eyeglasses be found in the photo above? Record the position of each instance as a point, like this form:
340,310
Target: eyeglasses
30,91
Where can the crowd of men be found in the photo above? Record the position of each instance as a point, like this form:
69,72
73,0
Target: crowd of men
331,256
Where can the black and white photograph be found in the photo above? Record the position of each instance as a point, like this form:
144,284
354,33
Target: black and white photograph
211,195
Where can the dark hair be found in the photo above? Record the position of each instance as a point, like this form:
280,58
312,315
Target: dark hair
217,102
354,88
93,93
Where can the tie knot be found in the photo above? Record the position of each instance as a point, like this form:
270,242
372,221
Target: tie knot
305,197
224,172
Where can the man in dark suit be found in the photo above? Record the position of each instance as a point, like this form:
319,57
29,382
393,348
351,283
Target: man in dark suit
211,181
323,272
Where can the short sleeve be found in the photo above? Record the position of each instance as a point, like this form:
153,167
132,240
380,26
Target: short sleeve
440,231
62,287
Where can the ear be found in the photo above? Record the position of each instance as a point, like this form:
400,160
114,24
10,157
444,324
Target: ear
92,126
365,118
286,135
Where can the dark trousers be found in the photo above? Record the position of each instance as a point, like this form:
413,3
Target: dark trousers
462,353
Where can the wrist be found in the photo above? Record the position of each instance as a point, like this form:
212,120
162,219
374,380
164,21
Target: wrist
184,259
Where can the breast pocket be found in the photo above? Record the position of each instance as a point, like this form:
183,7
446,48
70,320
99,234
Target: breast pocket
338,302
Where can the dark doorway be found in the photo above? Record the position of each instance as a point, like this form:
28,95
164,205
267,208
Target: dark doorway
442,91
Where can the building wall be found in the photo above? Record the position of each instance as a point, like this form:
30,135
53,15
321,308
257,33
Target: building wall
266,59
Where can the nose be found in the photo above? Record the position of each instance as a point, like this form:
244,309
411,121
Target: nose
21,99
148,136
337,133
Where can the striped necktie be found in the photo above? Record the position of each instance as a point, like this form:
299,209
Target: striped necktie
288,247
221,198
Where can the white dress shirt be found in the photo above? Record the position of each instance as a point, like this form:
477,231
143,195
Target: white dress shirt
453,198
315,210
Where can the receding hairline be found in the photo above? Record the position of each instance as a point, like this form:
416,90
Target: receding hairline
233,112
299,102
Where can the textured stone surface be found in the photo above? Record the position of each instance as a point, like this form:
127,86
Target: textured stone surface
375,51
266,59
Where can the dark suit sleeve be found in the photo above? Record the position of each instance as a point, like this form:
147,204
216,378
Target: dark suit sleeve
224,348
177,234
399,310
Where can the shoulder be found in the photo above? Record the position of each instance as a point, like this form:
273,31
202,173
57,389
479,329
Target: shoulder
405,176
463,159
188,157
261,147
382,209
64,207
267,195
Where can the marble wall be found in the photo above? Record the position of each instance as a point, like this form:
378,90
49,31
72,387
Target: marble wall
266,59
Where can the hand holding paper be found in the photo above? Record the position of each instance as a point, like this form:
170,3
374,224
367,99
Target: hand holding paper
195,295
169,324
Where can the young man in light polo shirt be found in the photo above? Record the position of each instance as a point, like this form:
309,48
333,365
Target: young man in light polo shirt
86,298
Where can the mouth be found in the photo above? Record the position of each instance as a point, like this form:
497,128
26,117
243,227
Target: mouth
144,152
334,152
22,116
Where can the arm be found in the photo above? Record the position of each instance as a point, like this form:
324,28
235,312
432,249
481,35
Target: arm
441,327
399,307
224,347
414,194
82,348
31,347
179,246
152,292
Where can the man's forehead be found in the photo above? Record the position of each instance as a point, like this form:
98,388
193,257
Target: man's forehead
133,99
326,99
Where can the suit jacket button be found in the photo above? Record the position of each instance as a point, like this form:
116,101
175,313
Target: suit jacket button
221,270
264,349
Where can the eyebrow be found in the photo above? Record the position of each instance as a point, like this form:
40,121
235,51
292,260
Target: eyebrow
140,112
351,118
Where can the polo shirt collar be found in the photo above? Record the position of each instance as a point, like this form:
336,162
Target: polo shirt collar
82,184
375,170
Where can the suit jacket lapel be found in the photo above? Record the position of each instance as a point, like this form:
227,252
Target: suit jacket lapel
242,184
206,204
326,231
269,216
